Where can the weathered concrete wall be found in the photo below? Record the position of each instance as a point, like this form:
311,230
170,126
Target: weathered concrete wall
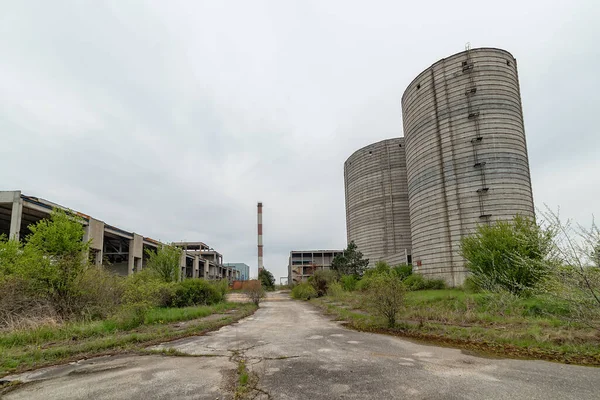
377,216
466,155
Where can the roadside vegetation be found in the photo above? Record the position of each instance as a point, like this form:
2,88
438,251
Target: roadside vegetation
533,291
55,305
266,279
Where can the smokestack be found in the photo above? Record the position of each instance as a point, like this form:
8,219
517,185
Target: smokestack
260,238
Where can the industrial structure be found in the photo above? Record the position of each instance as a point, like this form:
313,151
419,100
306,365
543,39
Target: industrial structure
466,164
260,237
303,263
242,268
118,250
377,217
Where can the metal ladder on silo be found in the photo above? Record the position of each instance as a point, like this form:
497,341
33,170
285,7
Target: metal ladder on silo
473,114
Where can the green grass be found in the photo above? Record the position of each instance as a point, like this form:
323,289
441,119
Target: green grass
167,315
34,348
533,327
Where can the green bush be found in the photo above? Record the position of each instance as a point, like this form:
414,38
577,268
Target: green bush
385,296
335,289
304,291
321,280
435,284
192,292
418,282
415,282
131,316
364,283
221,288
349,282
164,262
381,267
145,288
99,293
403,271
508,255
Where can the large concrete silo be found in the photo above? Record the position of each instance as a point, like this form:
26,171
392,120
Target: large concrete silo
377,217
466,155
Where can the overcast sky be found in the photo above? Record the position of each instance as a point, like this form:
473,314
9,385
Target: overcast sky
173,118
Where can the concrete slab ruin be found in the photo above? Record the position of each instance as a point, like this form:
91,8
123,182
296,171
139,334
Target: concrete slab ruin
115,249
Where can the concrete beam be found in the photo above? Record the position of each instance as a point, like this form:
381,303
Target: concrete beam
8,196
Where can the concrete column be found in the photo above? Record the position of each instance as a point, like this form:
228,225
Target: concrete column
206,269
196,268
182,265
94,233
16,216
136,251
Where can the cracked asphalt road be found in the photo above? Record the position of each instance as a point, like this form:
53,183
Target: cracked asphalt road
296,353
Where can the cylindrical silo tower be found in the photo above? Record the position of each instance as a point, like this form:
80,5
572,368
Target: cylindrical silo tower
377,217
466,155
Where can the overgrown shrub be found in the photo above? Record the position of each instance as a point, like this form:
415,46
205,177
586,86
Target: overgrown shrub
321,280
21,307
381,268
415,282
254,291
164,262
418,282
575,276
191,292
99,293
508,255
145,289
304,291
403,271
348,282
221,289
385,296
335,289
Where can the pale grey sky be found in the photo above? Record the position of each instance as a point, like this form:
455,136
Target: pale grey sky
173,118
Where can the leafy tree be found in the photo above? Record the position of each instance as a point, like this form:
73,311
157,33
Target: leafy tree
350,262
266,279
508,255
164,262
386,296
54,257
